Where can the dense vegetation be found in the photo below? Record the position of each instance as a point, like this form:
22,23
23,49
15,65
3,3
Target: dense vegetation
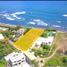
5,49
43,51
34,63
57,61
3,63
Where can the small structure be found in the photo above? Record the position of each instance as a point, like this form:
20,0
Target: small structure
21,31
16,59
54,33
1,37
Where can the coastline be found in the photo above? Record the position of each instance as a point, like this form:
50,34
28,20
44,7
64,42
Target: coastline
13,26
7,25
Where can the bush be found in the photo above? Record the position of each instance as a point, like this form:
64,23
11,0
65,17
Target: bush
64,59
38,53
45,46
35,63
3,63
44,34
27,29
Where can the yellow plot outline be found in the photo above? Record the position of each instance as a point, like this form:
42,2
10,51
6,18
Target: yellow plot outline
26,41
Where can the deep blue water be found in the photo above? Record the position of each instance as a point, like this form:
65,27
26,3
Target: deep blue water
37,14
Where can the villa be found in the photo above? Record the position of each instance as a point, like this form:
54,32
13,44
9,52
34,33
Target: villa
42,40
37,43
16,59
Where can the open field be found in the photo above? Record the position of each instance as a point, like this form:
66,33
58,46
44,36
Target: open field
61,41
26,41
59,59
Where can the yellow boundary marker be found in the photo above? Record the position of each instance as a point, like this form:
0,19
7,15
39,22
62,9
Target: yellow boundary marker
26,41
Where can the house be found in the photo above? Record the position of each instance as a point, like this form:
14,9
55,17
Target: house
16,59
1,37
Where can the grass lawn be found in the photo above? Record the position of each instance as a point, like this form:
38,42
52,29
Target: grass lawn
3,63
5,49
28,39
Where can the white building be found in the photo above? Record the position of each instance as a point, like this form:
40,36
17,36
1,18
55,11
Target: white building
3,28
1,37
16,59
43,40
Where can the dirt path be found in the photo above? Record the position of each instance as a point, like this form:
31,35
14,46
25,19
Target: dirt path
61,43
48,58
52,44
56,41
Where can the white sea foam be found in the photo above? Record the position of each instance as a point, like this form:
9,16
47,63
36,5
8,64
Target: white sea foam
58,26
18,13
7,16
40,22
13,16
59,21
32,23
36,20
65,15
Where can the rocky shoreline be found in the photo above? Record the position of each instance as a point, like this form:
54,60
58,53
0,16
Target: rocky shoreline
13,26
7,25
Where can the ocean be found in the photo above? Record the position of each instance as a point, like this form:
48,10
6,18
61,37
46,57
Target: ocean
43,14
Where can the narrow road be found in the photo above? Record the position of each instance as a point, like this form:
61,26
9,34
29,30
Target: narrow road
11,43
